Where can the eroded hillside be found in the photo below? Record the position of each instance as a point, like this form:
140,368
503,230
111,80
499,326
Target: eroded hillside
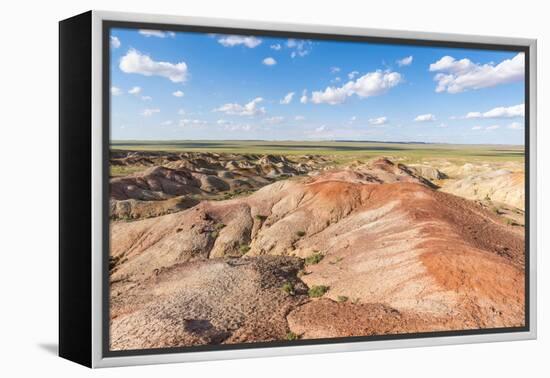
375,248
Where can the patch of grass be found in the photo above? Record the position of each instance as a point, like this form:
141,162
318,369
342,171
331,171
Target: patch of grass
292,336
315,258
317,291
288,288
300,233
244,248
342,298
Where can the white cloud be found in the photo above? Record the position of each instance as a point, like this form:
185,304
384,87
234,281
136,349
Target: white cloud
138,63
477,128
516,126
353,119
299,118
178,94
492,127
405,61
379,121
156,33
500,112
150,112
223,122
287,99
191,122
249,109
146,98
336,79
236,40
425,118
116,91
371,84
245,127
299,47
135,90
181,111
303,99
115,42
334,70
166,123
269,61
352,74
274,120
321,128
457,76
276,47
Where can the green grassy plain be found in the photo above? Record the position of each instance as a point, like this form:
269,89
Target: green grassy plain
338,151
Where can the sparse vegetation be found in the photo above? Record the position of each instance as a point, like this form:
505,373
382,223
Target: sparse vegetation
261,218
292,336
342,298
315,258
288,288
300,233
317,291
244,248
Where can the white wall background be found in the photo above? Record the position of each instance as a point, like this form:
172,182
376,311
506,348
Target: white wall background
28,186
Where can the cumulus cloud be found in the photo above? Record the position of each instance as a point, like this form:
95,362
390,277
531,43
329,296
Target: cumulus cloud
156,33
135,90
303,98
321,128
371,84
378,121
287,99
245,127
191,122
334,70
116,91
516,126
138,63
236,40
274,120
178,94
455,76
115,42
269,61
276,46
299,47
249,109
150,112
499,112
405,61
425,118
352,74
223,122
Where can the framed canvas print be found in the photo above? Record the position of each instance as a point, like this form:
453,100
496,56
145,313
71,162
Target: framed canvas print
234,189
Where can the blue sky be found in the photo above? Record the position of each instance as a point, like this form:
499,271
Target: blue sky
179,85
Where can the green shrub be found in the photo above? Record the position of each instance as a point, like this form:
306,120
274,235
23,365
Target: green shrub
261,217
315,258
342,298
244,248
317,291
288,288
301,233
292,336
